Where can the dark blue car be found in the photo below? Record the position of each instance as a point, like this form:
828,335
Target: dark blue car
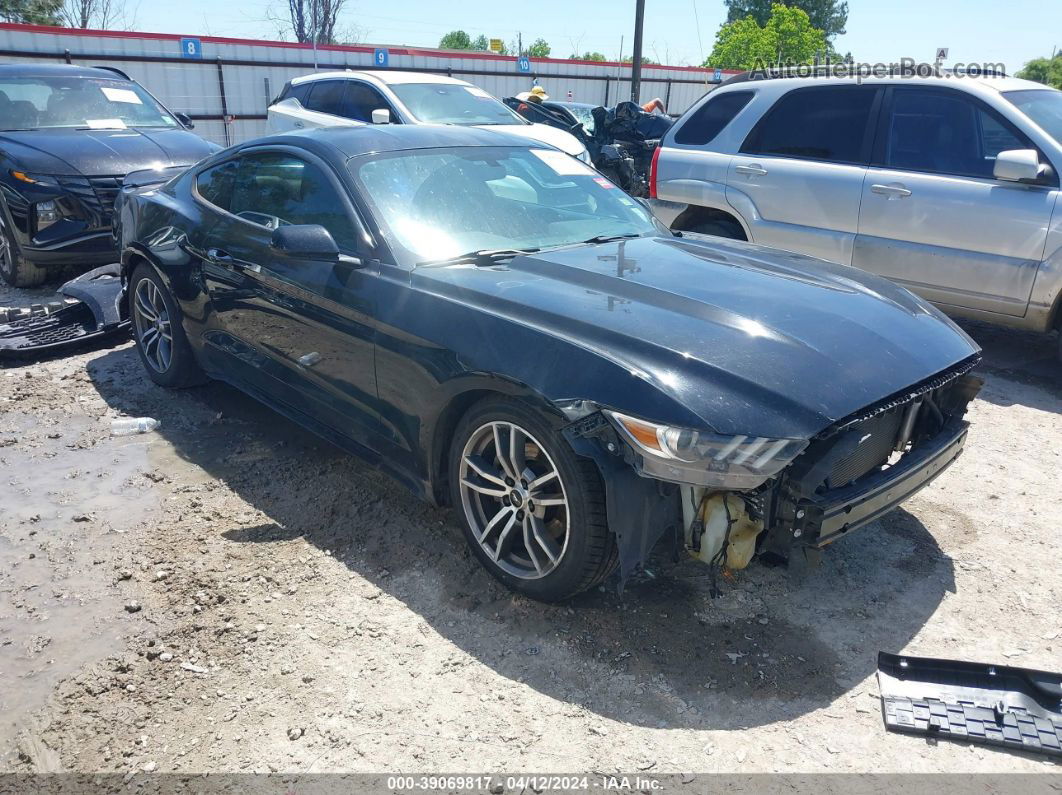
68,137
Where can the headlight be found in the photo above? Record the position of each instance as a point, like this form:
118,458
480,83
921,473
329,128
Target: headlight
706,459
47,213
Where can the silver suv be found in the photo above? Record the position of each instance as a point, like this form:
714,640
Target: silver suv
947,185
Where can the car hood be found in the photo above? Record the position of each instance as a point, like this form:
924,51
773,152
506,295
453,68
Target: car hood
69,152
746,338
542,133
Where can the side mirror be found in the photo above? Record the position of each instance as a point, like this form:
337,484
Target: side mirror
305,241
381,116
1018,165
185,120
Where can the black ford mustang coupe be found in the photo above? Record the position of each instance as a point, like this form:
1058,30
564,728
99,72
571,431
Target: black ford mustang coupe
504,330
68,137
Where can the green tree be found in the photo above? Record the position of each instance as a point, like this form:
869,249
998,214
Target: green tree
32,12
829,16
481,42
787,38
630,59
1044,70
740,45
539,48
587,56
456,40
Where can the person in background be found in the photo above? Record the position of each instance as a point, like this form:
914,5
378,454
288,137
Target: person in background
537,94
656,104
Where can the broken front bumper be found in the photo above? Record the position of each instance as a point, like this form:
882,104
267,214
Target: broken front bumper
824,518
1018,708
91,312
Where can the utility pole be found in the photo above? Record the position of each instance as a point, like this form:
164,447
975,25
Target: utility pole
636,62
313,32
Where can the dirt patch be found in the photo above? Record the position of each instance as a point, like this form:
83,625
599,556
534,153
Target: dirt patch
298,611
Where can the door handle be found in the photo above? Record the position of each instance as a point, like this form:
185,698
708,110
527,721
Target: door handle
893,190
219,256
753,170
298,124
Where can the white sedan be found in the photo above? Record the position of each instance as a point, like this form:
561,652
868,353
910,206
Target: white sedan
349,98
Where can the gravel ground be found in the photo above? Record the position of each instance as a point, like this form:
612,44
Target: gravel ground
229,593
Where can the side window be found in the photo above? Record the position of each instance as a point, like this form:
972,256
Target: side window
275,189
827,123
326,96
215,184
711,117
945,133
362,100
301,92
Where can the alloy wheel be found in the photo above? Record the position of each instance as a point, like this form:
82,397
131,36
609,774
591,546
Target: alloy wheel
5,255
514,500
153,332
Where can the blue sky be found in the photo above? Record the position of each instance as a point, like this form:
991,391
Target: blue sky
1010,32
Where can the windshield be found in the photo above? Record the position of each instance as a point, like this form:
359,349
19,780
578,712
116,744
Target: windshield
1043,106
42,102
433,204
584,114
444,103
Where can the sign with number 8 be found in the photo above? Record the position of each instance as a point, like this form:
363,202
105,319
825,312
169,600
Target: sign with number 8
191,48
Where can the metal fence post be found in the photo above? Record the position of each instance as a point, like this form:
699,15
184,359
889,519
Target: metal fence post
224,103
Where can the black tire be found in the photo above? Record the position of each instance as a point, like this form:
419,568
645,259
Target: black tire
15,269
720,227
590,553
183,369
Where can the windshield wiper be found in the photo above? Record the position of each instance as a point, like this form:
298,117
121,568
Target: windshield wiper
610,238
481,257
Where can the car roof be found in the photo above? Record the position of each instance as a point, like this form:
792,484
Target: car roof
371,138
380,77
782,85
55,70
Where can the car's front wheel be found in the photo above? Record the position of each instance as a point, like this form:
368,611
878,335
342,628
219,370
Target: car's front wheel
15,269
160,338
533,512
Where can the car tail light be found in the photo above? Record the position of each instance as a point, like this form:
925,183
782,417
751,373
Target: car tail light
652,172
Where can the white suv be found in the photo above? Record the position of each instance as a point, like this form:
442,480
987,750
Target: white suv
330,99
947,185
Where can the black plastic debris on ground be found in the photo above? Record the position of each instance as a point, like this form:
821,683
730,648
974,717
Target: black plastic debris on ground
91,312
1017,708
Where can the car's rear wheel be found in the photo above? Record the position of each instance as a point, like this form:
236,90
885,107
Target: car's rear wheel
720,227
16,269
533,512
159,335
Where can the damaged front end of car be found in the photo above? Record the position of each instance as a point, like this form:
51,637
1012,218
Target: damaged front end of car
728,499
